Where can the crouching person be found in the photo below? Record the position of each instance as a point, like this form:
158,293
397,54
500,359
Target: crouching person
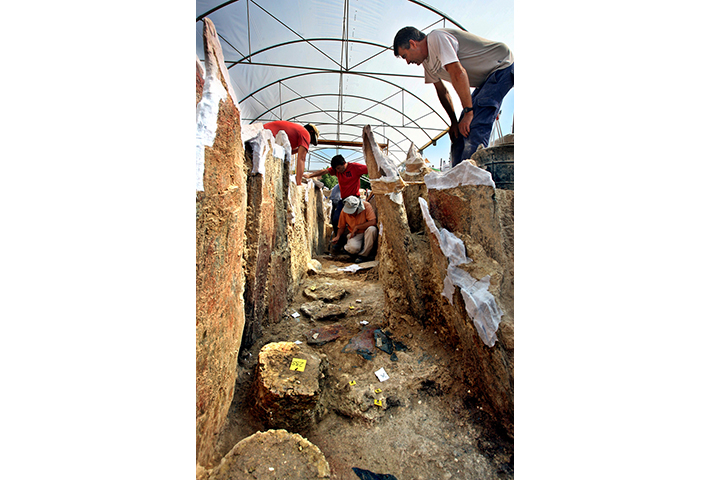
358,217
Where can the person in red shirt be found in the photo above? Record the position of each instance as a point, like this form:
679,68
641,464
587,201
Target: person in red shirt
299,137
348,175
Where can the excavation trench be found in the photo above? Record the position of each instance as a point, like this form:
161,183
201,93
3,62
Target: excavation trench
440,294
430,423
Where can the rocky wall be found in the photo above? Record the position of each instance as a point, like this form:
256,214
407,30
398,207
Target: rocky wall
220,223
256,234
473,213
415,268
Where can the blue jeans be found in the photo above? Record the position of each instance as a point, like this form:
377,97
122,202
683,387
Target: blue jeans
486,101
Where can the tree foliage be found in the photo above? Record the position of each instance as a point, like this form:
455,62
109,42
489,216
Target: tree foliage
329,180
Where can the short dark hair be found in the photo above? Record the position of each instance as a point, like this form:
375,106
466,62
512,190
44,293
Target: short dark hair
401,40
337,160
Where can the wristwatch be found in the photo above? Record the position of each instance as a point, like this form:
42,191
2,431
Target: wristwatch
467,109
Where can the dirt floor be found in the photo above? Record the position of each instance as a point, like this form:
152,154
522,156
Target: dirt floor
429,424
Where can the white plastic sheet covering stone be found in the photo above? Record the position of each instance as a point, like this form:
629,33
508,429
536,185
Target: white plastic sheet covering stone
260,140
207,111
480,304
414,159
465,173
389,169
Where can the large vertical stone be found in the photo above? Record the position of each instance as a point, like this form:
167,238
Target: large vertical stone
305,236
414,171
474,214
220,222
398,267
267,243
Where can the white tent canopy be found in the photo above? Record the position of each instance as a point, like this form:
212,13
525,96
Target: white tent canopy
330,63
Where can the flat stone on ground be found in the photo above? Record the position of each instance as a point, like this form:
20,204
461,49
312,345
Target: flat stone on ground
327,292
322,335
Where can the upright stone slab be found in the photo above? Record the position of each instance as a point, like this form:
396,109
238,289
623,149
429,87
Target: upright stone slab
399,268
306,233
414,171
220,223
267,250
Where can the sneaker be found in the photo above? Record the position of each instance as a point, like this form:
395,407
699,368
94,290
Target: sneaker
360,259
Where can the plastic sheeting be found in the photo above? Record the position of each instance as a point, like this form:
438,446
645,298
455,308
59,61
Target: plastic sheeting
480,304
330,63
465,173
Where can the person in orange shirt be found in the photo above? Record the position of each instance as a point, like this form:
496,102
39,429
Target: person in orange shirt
358,217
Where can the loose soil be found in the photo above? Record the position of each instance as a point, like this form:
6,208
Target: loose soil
430,425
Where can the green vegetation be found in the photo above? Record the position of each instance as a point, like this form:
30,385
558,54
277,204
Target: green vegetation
329,180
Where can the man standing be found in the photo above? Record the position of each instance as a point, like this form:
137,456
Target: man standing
299,137
466,61
348,175
359,219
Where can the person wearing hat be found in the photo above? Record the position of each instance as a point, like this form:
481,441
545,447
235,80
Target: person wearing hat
358,217
348,175
300,138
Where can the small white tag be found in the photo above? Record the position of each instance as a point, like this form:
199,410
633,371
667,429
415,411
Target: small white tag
382,375
295,314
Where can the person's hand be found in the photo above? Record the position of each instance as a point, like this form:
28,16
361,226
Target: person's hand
465,124
454,131
335,239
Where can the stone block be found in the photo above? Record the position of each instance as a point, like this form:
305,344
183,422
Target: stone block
284,396
273,454
267,241
324,291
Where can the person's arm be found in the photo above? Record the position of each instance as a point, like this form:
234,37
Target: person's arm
370,220
341,230
445,100
317,174
459,80
363,226
300,163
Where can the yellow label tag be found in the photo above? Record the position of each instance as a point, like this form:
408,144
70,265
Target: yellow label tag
378,390
298,364
353,382
378,402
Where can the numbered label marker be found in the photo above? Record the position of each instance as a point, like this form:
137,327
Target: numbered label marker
298,364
